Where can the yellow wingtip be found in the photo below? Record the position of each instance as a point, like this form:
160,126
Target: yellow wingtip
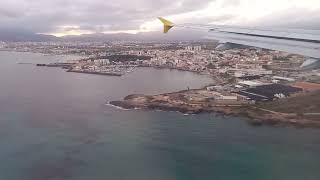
167,25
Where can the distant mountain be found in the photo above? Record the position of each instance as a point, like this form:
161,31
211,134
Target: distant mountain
15,35
176,35
180,35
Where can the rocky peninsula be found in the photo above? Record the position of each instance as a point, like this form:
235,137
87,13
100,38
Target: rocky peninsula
200,100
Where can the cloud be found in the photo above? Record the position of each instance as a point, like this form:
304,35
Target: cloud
285,13
88,16
4,13
97,15
292,18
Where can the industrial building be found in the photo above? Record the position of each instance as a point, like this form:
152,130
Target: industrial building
269,92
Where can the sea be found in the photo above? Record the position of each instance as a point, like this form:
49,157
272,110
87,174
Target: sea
56,125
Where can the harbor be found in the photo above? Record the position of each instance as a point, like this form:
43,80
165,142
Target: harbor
96,72
108,70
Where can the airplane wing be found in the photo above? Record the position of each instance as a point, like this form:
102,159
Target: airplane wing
297,41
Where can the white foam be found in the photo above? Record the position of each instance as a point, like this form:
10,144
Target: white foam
156,110
117,107
185,114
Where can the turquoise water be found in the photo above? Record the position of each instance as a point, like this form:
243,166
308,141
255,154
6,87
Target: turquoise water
55,126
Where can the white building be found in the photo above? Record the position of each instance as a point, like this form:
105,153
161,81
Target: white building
197,48
101,62
193,48
225,97
189,48
250,83
283,78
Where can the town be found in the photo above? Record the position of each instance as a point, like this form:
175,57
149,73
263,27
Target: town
240,77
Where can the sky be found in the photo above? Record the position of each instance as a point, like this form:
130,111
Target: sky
75,17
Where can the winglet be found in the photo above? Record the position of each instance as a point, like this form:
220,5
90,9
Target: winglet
167,25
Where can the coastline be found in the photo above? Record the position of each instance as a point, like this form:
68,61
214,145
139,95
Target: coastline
255,115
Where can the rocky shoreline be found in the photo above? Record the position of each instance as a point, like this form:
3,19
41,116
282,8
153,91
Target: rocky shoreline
176,102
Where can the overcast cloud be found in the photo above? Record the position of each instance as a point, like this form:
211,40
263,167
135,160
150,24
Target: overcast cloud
87,16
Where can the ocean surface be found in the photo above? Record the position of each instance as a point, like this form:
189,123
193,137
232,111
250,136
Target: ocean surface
56,125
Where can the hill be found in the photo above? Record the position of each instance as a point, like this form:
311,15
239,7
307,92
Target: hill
14,35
